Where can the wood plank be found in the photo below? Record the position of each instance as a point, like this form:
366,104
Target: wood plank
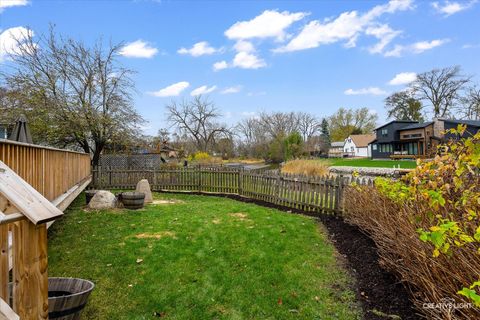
4,263
6,313
25,198
30,272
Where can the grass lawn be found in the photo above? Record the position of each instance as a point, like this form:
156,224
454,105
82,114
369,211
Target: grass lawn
404,164
201,258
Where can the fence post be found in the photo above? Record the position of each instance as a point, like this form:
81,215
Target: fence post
199,179
239,180
30,278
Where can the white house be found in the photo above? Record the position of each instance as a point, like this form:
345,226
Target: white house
356,145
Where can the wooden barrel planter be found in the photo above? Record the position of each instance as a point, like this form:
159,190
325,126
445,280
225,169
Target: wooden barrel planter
89,195
133,200
67,297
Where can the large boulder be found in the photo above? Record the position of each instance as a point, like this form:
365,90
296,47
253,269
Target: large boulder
144,187
103,200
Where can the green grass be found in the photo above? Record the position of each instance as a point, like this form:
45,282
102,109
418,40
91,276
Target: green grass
216,259
365,162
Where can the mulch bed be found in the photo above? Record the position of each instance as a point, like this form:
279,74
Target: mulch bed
381,294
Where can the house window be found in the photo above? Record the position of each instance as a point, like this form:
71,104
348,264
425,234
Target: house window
374,147
386,148
384,132
414,135
352,149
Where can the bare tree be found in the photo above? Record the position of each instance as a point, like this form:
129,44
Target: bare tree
73,94
279,124
308,125
197,119
441,88
471,104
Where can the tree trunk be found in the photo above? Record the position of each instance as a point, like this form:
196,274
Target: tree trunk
96,153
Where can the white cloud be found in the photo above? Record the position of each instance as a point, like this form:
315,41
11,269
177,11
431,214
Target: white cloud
422,46
199,49
11,3
415,48
365,91
384,33
220,65
202,90
246,57
246,60
347,27
172,90
250,114
10,39
269,24
234,89
244,46
471,46
138,49
448,8
403,78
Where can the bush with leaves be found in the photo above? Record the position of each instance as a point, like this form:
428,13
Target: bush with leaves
427,225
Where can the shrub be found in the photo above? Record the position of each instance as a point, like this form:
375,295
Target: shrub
426,226
293,145
203,158
306,167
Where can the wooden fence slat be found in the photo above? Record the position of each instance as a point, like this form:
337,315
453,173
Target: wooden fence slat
315,194
4,263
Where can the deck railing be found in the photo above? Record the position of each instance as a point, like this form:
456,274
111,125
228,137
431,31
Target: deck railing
36,184
50,171
313,194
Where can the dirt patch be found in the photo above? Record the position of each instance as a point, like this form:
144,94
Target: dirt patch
380,293
157,202
240,215
216,221
156,235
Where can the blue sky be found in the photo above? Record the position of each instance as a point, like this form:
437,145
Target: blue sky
252,56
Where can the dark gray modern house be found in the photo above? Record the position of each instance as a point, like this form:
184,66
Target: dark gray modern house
411,139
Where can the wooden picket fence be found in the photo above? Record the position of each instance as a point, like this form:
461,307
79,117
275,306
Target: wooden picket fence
312,194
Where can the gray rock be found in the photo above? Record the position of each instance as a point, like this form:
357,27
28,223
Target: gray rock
103,200
144,187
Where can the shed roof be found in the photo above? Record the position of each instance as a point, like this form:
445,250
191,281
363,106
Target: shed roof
362,140
25,198
337,144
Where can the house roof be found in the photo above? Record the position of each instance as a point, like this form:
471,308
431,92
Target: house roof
474,123
337,144
362,140
396,121
416,126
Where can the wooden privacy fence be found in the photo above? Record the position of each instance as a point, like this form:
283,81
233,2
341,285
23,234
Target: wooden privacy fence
315,194
50,171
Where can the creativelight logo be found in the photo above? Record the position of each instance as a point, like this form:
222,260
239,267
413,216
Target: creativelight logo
447,305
